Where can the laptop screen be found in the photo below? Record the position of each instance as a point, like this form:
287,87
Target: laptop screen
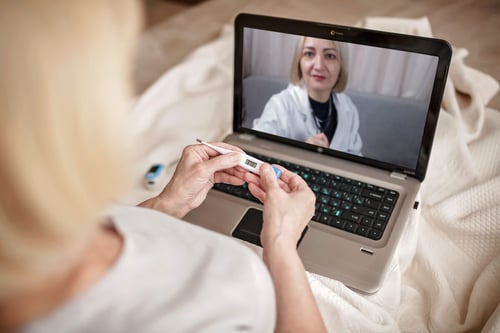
362,101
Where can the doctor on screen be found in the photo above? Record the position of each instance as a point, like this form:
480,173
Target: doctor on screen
313,108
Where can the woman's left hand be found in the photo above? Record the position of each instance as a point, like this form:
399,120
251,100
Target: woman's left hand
319,139
198,170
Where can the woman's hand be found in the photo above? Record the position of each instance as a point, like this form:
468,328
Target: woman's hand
288,205
198,170
319,139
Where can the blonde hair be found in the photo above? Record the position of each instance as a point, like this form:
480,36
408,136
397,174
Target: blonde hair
296,72
64,89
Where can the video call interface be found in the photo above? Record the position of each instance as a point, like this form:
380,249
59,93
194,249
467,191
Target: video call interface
379,110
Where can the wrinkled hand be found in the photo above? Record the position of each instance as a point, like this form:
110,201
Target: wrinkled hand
319,139
198,170
288,204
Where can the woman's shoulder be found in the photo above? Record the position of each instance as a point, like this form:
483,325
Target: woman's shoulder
344,102
287,98
168,270
343,97
290,93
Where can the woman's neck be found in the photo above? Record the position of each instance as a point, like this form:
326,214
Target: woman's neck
319,96
51,291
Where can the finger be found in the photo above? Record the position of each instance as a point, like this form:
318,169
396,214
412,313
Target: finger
203,151
252,178
237,172
323,139
226,178
291,179
319,139
268,178
286,174
257,192
222,162
210,152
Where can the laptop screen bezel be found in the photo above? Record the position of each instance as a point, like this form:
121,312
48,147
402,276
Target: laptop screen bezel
416,44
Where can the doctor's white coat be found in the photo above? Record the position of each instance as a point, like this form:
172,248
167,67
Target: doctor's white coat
289,114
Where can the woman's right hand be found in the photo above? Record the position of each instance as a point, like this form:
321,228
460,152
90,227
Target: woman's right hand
288,205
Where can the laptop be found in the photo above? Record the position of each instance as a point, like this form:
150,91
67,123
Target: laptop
366,184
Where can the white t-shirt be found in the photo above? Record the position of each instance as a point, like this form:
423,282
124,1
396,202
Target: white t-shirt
171,277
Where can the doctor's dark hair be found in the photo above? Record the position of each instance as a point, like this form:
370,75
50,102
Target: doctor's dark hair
296,73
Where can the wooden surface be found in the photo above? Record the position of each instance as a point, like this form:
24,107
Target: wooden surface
474,25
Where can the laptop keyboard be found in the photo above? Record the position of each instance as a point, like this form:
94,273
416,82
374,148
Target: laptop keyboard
343,203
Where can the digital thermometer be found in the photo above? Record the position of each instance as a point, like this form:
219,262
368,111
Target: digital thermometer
247,162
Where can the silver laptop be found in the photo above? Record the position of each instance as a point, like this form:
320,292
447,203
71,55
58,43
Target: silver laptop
367,176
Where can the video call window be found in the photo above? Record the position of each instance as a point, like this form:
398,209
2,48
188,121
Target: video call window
367,101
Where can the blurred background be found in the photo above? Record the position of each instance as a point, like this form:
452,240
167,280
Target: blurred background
471,24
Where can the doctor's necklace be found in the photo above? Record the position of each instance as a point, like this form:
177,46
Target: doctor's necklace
325,116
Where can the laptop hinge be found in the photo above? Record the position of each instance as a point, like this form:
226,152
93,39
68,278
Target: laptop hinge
398,175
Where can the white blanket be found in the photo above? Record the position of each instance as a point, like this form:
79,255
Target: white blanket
445,276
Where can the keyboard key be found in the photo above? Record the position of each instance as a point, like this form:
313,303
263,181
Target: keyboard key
372,194
351,227
364,210
358,199
346,205
362,230
380,225
326,190
347,196
335,203
351,217
338,223
336,212
324,209
356,189
366,221
382,216
386,208
390,200
375,234
372,203
325,219
324,199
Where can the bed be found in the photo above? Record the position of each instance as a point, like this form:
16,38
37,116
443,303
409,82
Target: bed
445,275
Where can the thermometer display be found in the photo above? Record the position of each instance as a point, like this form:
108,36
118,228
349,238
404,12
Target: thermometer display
250,163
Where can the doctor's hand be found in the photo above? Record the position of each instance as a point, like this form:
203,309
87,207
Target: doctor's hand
319,139
288,205
199,168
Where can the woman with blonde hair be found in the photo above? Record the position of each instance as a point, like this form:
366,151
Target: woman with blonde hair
313,108
70,261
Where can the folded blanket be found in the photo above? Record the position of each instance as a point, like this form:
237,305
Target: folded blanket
444,277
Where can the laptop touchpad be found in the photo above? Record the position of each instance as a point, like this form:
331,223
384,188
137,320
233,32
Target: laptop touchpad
250,227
